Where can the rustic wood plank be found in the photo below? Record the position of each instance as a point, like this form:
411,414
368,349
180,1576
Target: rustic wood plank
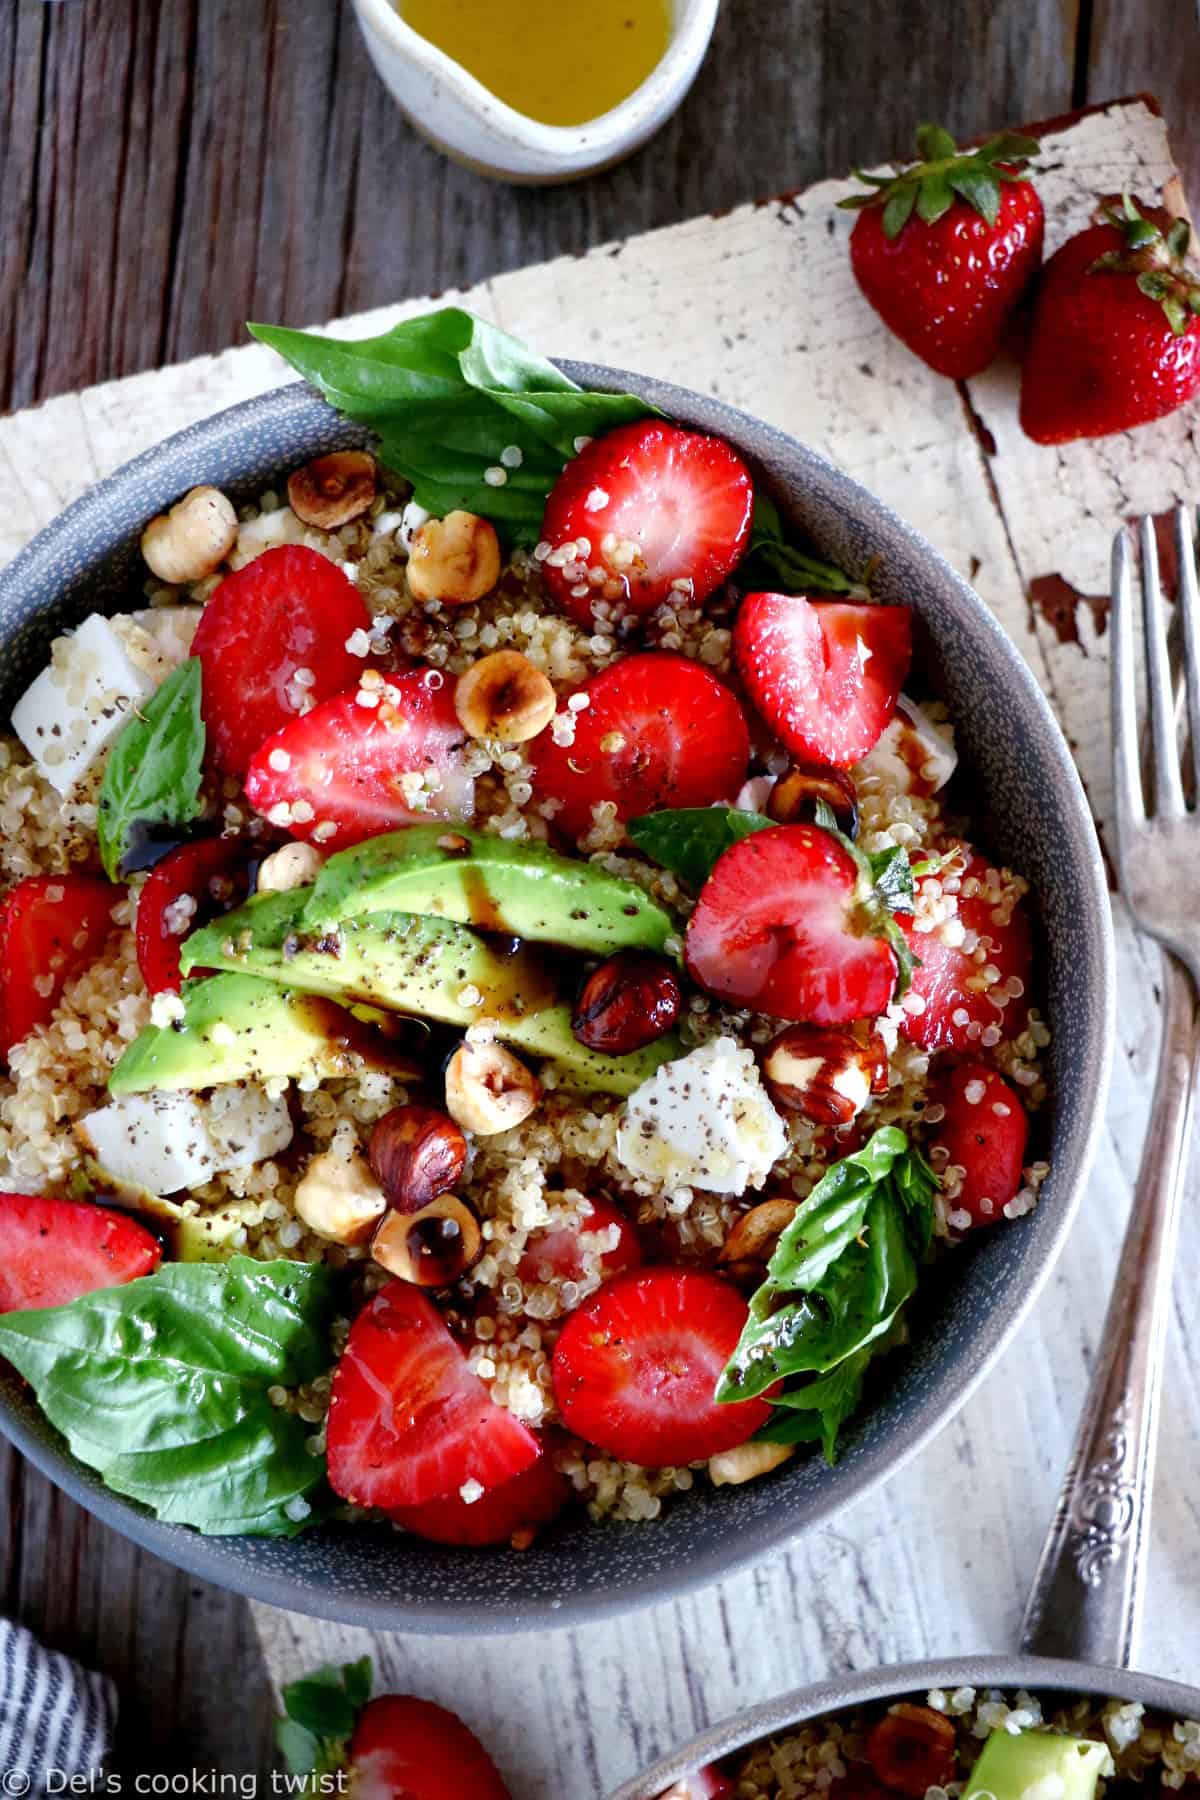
1151,49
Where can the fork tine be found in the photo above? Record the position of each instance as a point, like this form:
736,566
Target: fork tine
1127,774
1160,693
1188,604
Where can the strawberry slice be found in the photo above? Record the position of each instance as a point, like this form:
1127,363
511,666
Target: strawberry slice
644,514
51,928
984,1131
508,1514
335,776
707,1783
559,1253
824,674
212,873
657,730
409,1749
978,982
636,1368
408,1421
271,642
52,1251
781,926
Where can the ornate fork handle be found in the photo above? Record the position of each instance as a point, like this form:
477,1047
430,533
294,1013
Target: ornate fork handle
1086,1599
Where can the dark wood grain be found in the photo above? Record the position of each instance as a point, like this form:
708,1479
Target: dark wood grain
171,168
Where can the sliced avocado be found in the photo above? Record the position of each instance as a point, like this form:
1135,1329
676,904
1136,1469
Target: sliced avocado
422,966
524,890
240,1028
191,1236
1037,1765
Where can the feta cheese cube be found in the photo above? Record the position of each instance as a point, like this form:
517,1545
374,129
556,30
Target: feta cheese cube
169,1142
68,717
704,1121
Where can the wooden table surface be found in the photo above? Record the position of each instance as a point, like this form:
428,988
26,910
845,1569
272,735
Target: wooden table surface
172,167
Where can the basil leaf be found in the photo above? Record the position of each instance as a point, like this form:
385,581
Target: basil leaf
892,875
688,840
816,1412
778,567
152,776
447,394
162,1387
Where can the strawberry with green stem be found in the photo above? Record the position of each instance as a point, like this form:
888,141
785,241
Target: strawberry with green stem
944,250
1115,339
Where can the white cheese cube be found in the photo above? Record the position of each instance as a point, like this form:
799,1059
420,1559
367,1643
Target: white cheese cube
913,756
704,1121
67,717
169,1142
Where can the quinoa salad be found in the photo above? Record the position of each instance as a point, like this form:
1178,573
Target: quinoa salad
500,997
965,1744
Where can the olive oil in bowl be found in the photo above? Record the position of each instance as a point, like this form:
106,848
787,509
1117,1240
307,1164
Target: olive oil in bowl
560,62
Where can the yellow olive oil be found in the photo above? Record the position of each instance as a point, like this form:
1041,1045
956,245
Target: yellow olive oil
559,61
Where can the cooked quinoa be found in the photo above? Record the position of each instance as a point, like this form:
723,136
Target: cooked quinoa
538,1174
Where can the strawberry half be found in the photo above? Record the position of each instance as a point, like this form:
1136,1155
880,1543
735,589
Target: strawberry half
51,928
558,1253
645,514
636,1368
825,675
784,925
272,640
509,1514
1115,339
53,1251
967,986
945,250
983,1131
408,1421
212,872
336,775
657,730
409,1749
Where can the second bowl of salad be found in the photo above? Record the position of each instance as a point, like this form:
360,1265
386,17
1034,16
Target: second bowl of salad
555,980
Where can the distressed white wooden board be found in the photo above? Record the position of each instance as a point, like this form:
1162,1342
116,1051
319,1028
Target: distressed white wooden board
760,308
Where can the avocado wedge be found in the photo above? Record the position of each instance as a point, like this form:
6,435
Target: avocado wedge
1037,1763
425,966
239,1028
470,878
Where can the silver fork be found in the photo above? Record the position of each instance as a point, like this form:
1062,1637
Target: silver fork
1085,1598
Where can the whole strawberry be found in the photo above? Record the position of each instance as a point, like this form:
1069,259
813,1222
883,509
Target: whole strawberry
945,249
1115,340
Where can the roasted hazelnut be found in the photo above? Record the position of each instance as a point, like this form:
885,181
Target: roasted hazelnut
793,800
339,1198
912,1749
193,539
877,1056
820,1071
488,1089
455,560
729,1468
331,490
432,1247
628,1002
754,1236
416,1153
504,696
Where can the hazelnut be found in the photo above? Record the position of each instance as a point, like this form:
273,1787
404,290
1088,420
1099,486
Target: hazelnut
455,559
731,1467
331,490
432,1247
824,1073
793,799
193,539
504,696
628,1002
755,1235
416,1153
488,1089
291,866
913,1748
339,1198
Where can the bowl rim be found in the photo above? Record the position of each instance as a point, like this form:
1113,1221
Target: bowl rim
90,517
801,1706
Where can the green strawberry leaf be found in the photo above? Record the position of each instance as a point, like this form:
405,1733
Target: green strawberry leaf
934,198
320,1713
935,143
979,186
898,210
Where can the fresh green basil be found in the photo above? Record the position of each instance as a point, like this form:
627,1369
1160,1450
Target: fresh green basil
777,566
320,1713
152,776
451,398
689,839
840,1275
162,1386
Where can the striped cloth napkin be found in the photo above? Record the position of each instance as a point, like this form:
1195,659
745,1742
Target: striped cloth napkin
56,1718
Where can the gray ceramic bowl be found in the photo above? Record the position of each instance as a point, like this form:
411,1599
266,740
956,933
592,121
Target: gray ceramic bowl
1033,813
1040,1675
